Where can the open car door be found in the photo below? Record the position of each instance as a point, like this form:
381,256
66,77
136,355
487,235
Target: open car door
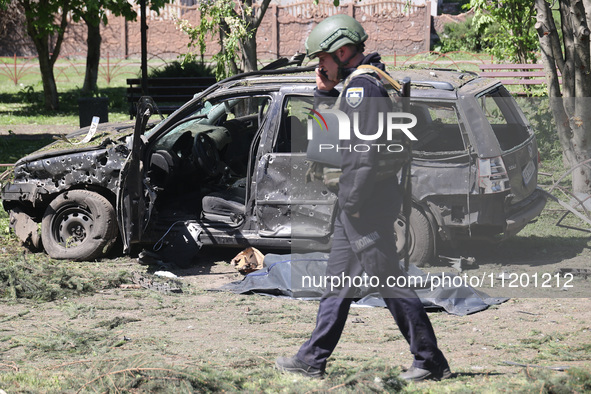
289,203
134,200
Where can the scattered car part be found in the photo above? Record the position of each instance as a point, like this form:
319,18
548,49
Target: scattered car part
578,205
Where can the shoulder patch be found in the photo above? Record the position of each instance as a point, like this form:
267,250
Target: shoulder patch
354,96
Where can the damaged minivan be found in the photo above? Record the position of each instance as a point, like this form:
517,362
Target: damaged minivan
229,169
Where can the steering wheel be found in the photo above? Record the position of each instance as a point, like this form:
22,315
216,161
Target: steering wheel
206,155
182,146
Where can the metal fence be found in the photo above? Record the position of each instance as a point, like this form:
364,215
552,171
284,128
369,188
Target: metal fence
16,68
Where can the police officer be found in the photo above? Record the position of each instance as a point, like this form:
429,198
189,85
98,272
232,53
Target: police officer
369,202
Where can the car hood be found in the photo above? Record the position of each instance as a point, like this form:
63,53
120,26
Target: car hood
106,134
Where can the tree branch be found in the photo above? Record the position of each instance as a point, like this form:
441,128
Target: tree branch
568,77
60,34
545,32
582,50
260,13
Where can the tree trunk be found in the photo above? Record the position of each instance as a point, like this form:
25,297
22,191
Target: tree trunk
249,52
581,141
51,99
47,76
47,56
249,44
93,56
571,108
233,66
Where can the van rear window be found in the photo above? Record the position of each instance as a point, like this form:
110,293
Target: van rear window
505,118
438,128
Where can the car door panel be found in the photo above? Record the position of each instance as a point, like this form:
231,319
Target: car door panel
134,201
287,204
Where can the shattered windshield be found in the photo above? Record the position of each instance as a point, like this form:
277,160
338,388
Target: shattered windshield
208,113
207,109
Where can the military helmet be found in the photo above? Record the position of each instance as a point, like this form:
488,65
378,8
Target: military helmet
334,32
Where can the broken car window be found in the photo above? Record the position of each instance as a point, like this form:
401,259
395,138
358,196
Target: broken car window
505,118
292,131
438,127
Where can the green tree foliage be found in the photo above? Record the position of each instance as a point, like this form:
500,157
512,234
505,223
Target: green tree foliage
506,28
46,23
236,24
461,36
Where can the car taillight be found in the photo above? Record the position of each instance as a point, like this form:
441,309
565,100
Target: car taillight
492,175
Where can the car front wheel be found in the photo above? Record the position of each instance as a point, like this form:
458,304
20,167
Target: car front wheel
421,238
79,225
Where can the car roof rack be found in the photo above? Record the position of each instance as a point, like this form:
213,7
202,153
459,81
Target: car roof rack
289,70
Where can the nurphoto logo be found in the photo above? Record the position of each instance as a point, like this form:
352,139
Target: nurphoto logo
394,121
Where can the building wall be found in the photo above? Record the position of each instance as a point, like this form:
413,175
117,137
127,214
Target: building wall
392,26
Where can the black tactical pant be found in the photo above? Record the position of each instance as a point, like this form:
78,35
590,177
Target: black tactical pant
367,244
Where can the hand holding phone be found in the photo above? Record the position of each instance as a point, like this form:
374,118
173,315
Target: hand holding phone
322,80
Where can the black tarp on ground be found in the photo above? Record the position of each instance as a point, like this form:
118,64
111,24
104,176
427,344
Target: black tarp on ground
282,276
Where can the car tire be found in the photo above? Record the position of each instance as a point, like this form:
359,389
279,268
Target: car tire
79,225
421,237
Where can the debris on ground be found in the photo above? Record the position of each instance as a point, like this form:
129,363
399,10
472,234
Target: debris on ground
168,286
582,272
459,263
559,368
247,261
165,274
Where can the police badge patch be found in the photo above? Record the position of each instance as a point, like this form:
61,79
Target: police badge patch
354,96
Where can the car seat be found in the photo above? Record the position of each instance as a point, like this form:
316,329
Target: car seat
226,205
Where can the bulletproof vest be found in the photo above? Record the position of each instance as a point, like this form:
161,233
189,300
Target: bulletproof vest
392,86
389,163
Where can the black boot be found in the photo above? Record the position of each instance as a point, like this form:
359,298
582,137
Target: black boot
418,374
294,365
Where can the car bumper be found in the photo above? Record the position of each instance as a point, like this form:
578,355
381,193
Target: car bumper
19,192
518,220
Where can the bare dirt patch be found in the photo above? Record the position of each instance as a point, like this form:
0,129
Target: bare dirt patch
202,330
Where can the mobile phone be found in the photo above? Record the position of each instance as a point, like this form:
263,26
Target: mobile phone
324,73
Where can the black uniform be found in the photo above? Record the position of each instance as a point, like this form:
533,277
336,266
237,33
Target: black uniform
367,243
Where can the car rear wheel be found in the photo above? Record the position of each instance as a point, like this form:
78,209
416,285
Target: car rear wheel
421,238
79,225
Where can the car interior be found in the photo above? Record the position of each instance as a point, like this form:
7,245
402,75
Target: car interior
438,128
199,167
507,124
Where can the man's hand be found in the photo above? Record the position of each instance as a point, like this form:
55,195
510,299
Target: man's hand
322,81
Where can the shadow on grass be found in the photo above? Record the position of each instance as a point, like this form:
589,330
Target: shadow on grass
201,264
13,147
531,250
475,374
